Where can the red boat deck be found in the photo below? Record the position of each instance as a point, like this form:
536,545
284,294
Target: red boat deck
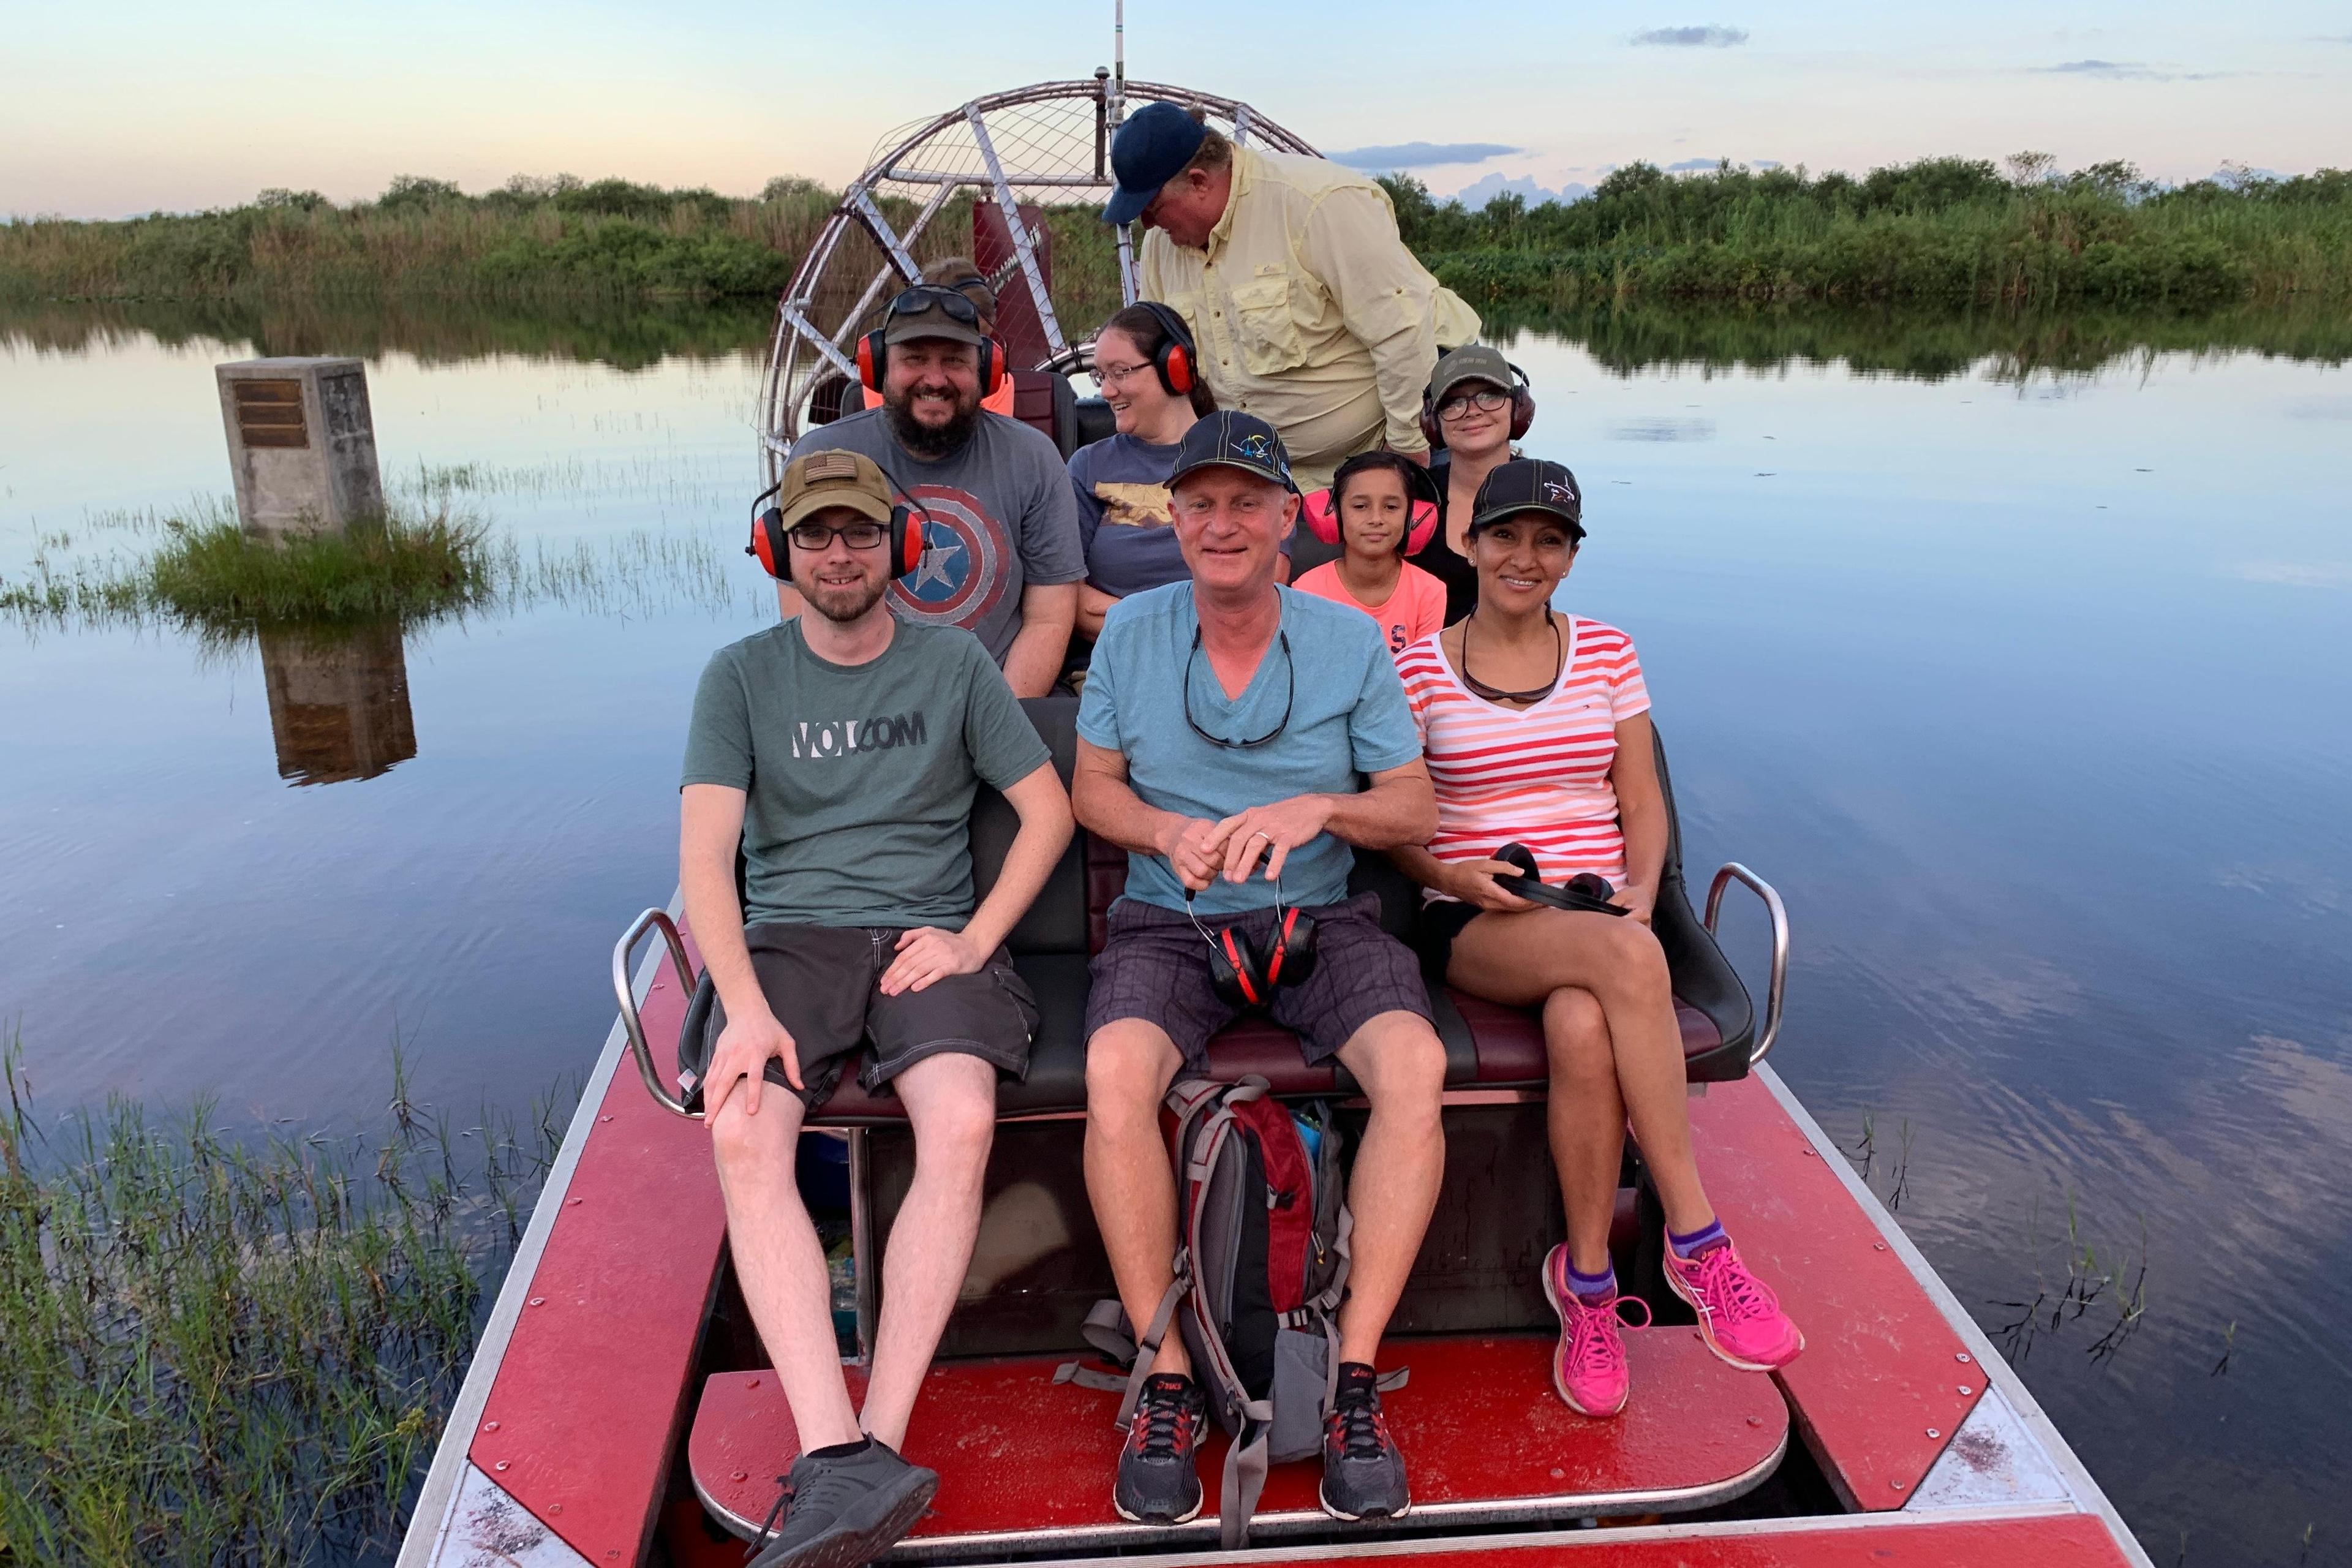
1020,1456
572,1420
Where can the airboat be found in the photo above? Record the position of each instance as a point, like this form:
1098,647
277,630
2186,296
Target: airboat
619,1410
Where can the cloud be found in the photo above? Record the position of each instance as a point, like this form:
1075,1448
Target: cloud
1708,38
1421,154
1692,165
1479,191
2128,71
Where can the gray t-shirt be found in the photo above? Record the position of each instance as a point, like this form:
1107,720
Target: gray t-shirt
1001,518
860,778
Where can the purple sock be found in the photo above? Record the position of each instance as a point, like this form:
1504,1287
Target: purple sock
1591,1288
1689,1247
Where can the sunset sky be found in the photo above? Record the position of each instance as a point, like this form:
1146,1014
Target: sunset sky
112,108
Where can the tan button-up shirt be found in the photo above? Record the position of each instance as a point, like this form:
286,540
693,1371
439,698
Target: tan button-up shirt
1309,309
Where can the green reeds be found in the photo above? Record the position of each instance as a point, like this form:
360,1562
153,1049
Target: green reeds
206,571
233,1350
1946,232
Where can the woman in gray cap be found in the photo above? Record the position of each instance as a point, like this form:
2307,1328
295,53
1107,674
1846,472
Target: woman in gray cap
1477,404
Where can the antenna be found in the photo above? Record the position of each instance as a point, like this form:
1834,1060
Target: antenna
1119,53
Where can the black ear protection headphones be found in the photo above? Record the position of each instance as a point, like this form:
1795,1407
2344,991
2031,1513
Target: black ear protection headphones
1245,971
1585,890
771,545
1523,412
874,354
1174,357
1418,483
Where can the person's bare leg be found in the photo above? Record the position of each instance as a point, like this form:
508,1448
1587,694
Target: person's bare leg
778,1261
1585,1117
1393,1190
950,1101
1525,957
1130,1065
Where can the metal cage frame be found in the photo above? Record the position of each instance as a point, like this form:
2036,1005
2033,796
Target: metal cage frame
805,350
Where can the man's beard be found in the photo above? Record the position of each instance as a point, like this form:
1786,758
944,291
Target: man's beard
929,442
845,604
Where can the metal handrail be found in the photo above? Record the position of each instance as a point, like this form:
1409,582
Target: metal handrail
1779,983
651,919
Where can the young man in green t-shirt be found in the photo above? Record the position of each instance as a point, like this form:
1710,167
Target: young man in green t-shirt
838,752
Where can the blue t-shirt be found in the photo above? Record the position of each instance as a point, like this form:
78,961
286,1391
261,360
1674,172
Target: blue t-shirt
1348,718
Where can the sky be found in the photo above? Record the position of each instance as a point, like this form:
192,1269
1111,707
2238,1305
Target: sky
111,109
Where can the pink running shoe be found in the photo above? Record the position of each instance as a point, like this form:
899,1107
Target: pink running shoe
1589,1366
1737,1314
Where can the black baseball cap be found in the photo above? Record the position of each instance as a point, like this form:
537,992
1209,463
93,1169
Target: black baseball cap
1151,147
1529,484
1230,438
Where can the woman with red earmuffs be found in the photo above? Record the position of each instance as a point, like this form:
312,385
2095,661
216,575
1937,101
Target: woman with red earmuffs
1477,404
1143,362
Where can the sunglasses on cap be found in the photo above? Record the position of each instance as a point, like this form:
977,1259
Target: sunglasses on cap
923,297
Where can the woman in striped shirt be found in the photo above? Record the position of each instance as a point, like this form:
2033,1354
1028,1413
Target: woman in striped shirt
1536,726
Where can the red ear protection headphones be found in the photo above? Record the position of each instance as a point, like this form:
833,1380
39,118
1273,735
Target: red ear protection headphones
772,545
1245,971
1523,412
1321,511
874,354
1173,358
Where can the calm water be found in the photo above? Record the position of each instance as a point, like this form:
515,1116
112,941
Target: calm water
2034,697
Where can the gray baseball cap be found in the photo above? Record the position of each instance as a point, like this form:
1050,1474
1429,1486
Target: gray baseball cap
932,311
1472,362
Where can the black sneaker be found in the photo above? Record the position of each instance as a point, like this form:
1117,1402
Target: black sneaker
1157,1482
843,1510
1363,1474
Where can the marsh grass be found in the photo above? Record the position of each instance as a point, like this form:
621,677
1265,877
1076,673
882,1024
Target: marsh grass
190,569
2107,1287
238,1349
1942,231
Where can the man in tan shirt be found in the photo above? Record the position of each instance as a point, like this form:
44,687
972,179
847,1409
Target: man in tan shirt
1309,309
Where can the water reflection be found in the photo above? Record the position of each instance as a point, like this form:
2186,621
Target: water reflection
337,701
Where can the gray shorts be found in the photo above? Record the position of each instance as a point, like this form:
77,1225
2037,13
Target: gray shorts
1155,966
821,983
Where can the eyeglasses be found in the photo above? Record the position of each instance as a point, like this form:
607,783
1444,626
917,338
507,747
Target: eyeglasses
859,535
1290,694
1489,399
922,296
1109,375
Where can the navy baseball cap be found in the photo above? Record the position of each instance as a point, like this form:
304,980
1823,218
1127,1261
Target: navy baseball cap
1529,484
1232,439
1150,149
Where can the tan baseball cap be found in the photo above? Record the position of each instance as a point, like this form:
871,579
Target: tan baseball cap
820,479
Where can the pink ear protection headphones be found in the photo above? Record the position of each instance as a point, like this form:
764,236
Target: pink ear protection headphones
1321,510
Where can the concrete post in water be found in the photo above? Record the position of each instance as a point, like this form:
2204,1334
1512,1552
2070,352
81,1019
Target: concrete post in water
337,701
302,444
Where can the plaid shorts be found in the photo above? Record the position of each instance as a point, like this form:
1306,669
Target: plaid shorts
1154,966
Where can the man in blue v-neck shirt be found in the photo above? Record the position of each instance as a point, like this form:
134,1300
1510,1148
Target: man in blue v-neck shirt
1294,742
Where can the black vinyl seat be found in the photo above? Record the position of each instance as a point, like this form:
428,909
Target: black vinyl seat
1488,1045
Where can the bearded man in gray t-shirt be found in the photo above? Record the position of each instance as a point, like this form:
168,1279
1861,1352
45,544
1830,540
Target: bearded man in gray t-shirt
1001,555
838,752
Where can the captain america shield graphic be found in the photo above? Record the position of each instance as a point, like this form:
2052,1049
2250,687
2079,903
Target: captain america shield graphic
962,575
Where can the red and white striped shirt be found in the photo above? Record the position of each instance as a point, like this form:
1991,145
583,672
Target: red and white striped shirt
1537,776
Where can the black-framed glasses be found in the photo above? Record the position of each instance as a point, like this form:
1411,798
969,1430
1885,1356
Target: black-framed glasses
923,296
1290,694
863,534
1488,400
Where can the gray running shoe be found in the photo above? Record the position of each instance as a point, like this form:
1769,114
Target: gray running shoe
1363,1474
844,1513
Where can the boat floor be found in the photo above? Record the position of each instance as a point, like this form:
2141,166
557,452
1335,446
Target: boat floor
1025,1463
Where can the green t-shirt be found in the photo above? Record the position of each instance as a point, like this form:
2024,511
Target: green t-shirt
859,778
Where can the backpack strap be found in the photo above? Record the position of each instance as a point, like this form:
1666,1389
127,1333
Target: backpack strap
1244,1475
